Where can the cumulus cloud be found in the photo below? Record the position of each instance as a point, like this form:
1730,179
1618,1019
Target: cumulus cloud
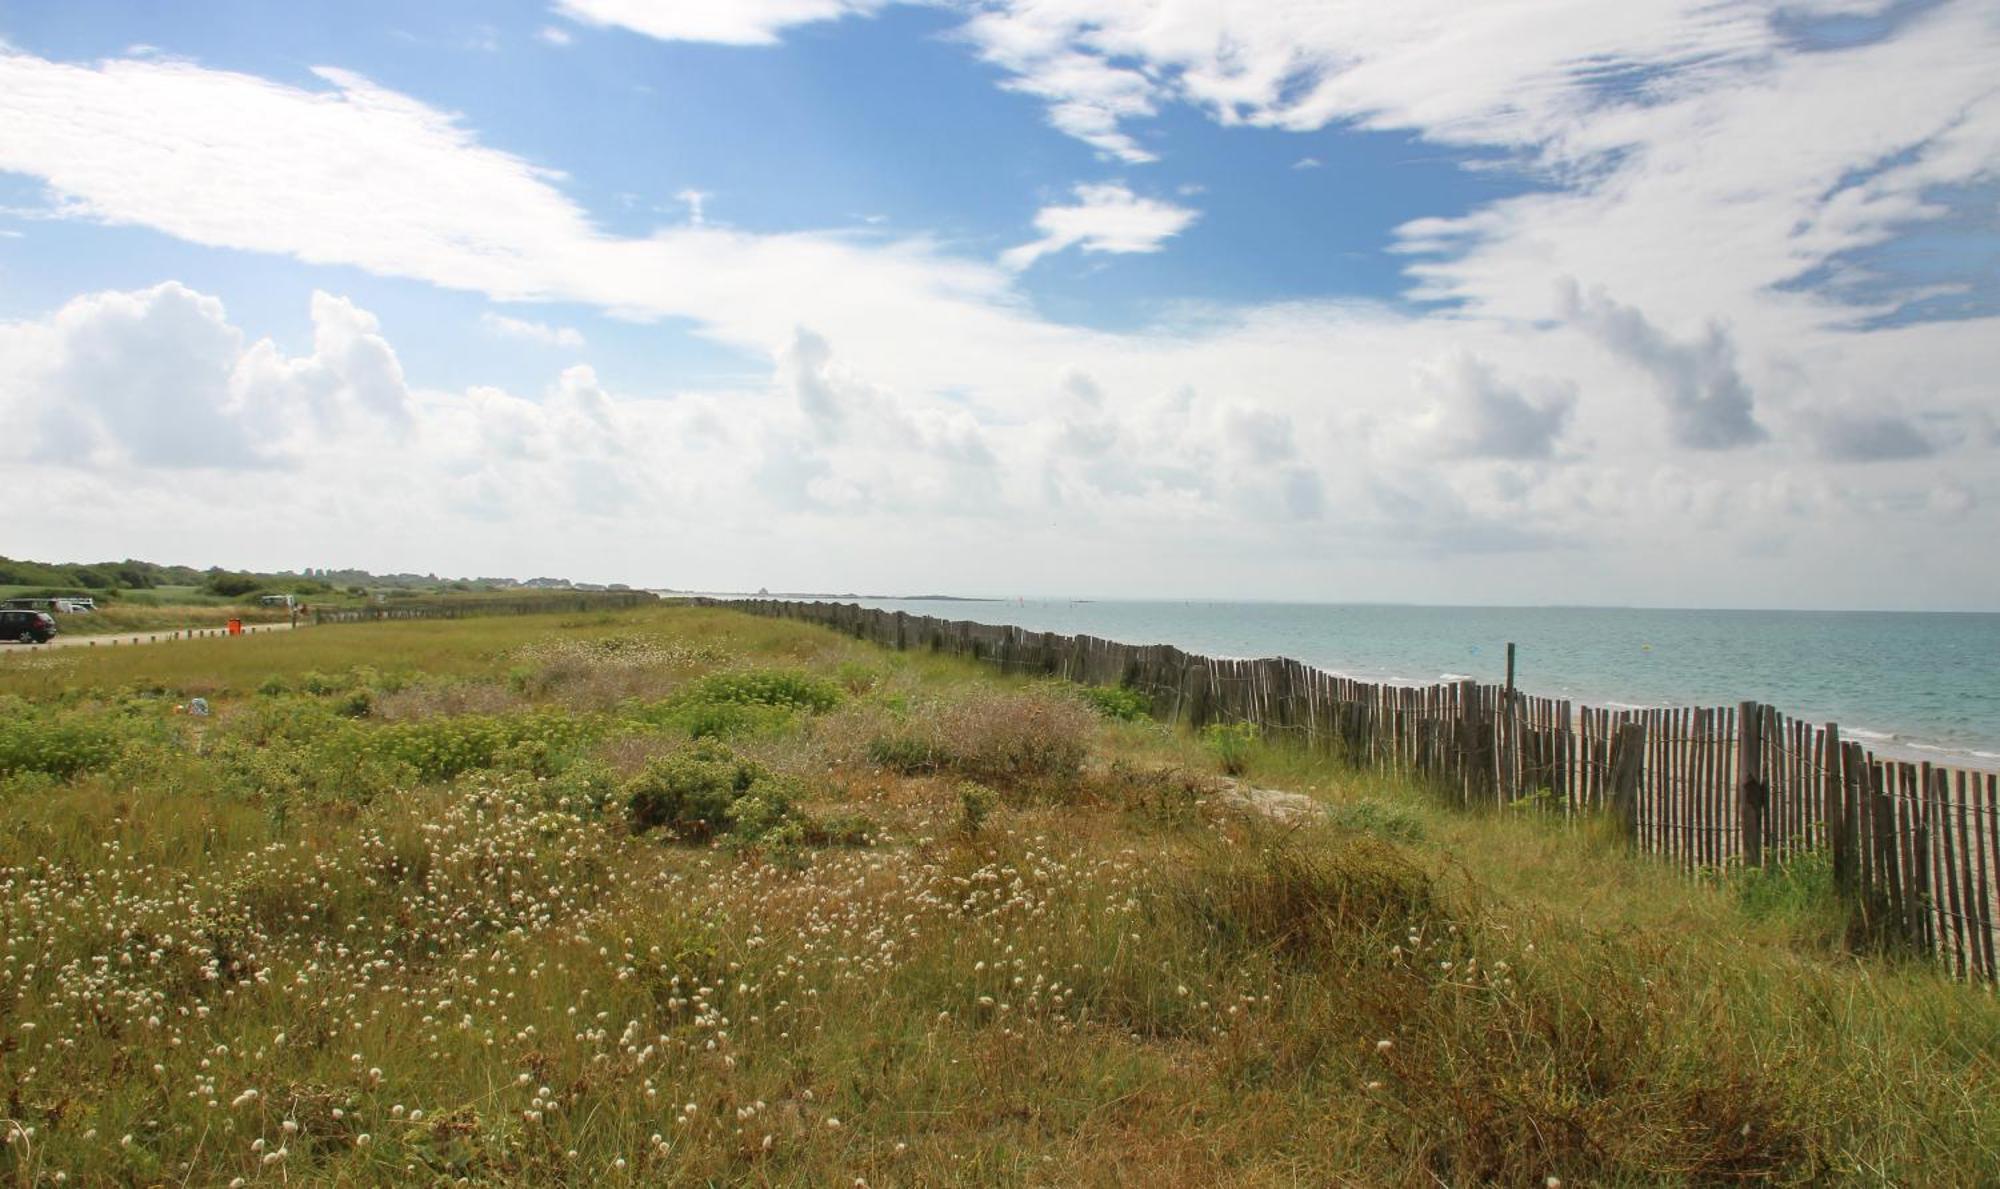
535,332
141,378
1848,435
730,22
1105,218
160,377
1476,415
1709,407
352,375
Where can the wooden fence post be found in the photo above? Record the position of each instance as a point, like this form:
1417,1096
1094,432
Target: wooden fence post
1840,833
1628,756
1750,787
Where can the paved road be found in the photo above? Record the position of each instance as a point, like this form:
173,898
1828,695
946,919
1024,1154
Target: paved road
63,641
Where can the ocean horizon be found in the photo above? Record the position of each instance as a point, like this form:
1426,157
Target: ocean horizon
1920,685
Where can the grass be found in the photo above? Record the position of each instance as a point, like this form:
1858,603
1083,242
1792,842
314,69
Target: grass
392,914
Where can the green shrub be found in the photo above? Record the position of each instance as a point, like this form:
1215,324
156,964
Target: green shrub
320,684
842,829
975,805
441,748
1230,744
694,793
729,705
763,687
1384,819
60,745
586,788
726,720
904,754
1117,702
857,677
273,686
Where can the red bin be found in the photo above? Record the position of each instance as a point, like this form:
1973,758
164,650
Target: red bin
235,627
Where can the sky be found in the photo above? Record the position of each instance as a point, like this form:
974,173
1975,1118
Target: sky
1667,302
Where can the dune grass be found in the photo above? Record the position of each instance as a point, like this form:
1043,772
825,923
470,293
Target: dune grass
386,917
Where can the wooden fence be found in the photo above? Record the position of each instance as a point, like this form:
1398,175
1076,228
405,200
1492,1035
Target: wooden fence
530,605
1914,848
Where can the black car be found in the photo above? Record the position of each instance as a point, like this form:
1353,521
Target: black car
29,627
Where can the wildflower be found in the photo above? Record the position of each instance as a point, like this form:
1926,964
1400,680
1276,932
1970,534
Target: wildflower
1383,1046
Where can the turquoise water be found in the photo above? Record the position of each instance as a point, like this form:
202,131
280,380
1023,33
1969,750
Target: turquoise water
1906,682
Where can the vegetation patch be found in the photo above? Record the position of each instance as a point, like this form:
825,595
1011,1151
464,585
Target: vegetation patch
1117,702
502,932
705,790
1014,741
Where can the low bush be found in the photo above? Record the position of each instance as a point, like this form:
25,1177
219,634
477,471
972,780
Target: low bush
1013,741
59,745
1347,899
1117,702
440,748
1164,796
1384,819
730,705
706,790
1230,744
763,687
975,805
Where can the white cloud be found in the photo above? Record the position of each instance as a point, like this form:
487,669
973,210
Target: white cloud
554,35
1477,415
730,22
1285,443
161,378
1105,218
535,332
1308,163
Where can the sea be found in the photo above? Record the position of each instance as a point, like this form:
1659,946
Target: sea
1920,685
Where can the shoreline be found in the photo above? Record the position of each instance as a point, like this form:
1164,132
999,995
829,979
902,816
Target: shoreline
1890,744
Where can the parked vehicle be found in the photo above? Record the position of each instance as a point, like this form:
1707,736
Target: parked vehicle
29,627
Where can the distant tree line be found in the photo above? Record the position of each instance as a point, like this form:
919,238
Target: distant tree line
109,578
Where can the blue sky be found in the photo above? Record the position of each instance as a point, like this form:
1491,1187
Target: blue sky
1336,300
